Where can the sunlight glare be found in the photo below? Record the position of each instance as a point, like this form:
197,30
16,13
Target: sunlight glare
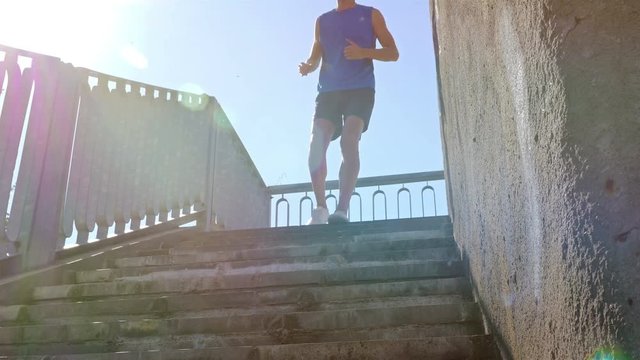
134,57
76,31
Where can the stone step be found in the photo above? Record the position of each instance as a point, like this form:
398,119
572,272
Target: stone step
202,280
477,347
304,298
298,337
308,248
209,254
216,241
360,304
154,264
352,246
276,324
441,224
359,291
202,341
238,260
13,313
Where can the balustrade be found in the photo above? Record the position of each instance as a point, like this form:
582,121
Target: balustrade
369,202
90,154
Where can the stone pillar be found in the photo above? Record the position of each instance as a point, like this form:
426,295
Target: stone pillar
540,111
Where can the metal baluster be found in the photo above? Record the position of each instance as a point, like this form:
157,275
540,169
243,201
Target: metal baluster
278,208
305,197
331,196
429,187
384,196
360,200
403,189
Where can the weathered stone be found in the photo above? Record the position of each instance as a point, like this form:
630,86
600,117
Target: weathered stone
13,313
187,281
250,298
539,105
371,291
437,348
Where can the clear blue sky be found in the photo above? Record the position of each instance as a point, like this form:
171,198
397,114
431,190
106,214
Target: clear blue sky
246,52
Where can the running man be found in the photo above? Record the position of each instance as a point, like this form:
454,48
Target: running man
345,45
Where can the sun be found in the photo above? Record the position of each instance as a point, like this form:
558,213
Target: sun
77,31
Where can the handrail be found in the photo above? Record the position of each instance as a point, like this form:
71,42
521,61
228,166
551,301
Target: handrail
363,182
25,53
408,182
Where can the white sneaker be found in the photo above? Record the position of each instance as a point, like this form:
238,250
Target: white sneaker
319,216
339,217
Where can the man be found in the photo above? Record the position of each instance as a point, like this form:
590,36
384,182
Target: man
345,42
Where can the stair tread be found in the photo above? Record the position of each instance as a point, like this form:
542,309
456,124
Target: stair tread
359,318
215,242
192,280
448,254
163,263
468,347
282,253
360,304
254,339
351,242
300,295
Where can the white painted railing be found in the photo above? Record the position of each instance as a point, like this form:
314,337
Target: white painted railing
90,153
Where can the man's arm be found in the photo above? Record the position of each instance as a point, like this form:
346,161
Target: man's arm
388,52
314,59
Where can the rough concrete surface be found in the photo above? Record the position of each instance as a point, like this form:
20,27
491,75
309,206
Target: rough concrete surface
540,111
348,305
241,199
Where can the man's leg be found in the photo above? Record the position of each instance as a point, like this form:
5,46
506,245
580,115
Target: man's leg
320,138
349,144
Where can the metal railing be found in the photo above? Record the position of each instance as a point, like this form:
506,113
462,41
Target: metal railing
369,201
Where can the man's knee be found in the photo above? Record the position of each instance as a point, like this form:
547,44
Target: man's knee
351,133
349,143
322,129
350,149
353,126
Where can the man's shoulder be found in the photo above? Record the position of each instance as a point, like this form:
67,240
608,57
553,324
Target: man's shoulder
372,9
366,8
328,13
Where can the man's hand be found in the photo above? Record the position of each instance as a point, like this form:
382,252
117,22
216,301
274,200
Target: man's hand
306,68
354,52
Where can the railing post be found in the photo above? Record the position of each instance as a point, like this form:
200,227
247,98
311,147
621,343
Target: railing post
60,81
12,119
212,151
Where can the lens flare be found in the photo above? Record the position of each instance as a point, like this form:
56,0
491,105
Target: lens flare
609,354
134,57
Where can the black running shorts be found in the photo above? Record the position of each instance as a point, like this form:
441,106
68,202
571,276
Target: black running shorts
336,106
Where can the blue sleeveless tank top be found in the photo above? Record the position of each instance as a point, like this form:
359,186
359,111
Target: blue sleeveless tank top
338,73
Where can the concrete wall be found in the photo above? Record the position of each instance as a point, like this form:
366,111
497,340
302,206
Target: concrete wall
241,198
540,107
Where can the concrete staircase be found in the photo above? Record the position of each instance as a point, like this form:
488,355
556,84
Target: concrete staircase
377,290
